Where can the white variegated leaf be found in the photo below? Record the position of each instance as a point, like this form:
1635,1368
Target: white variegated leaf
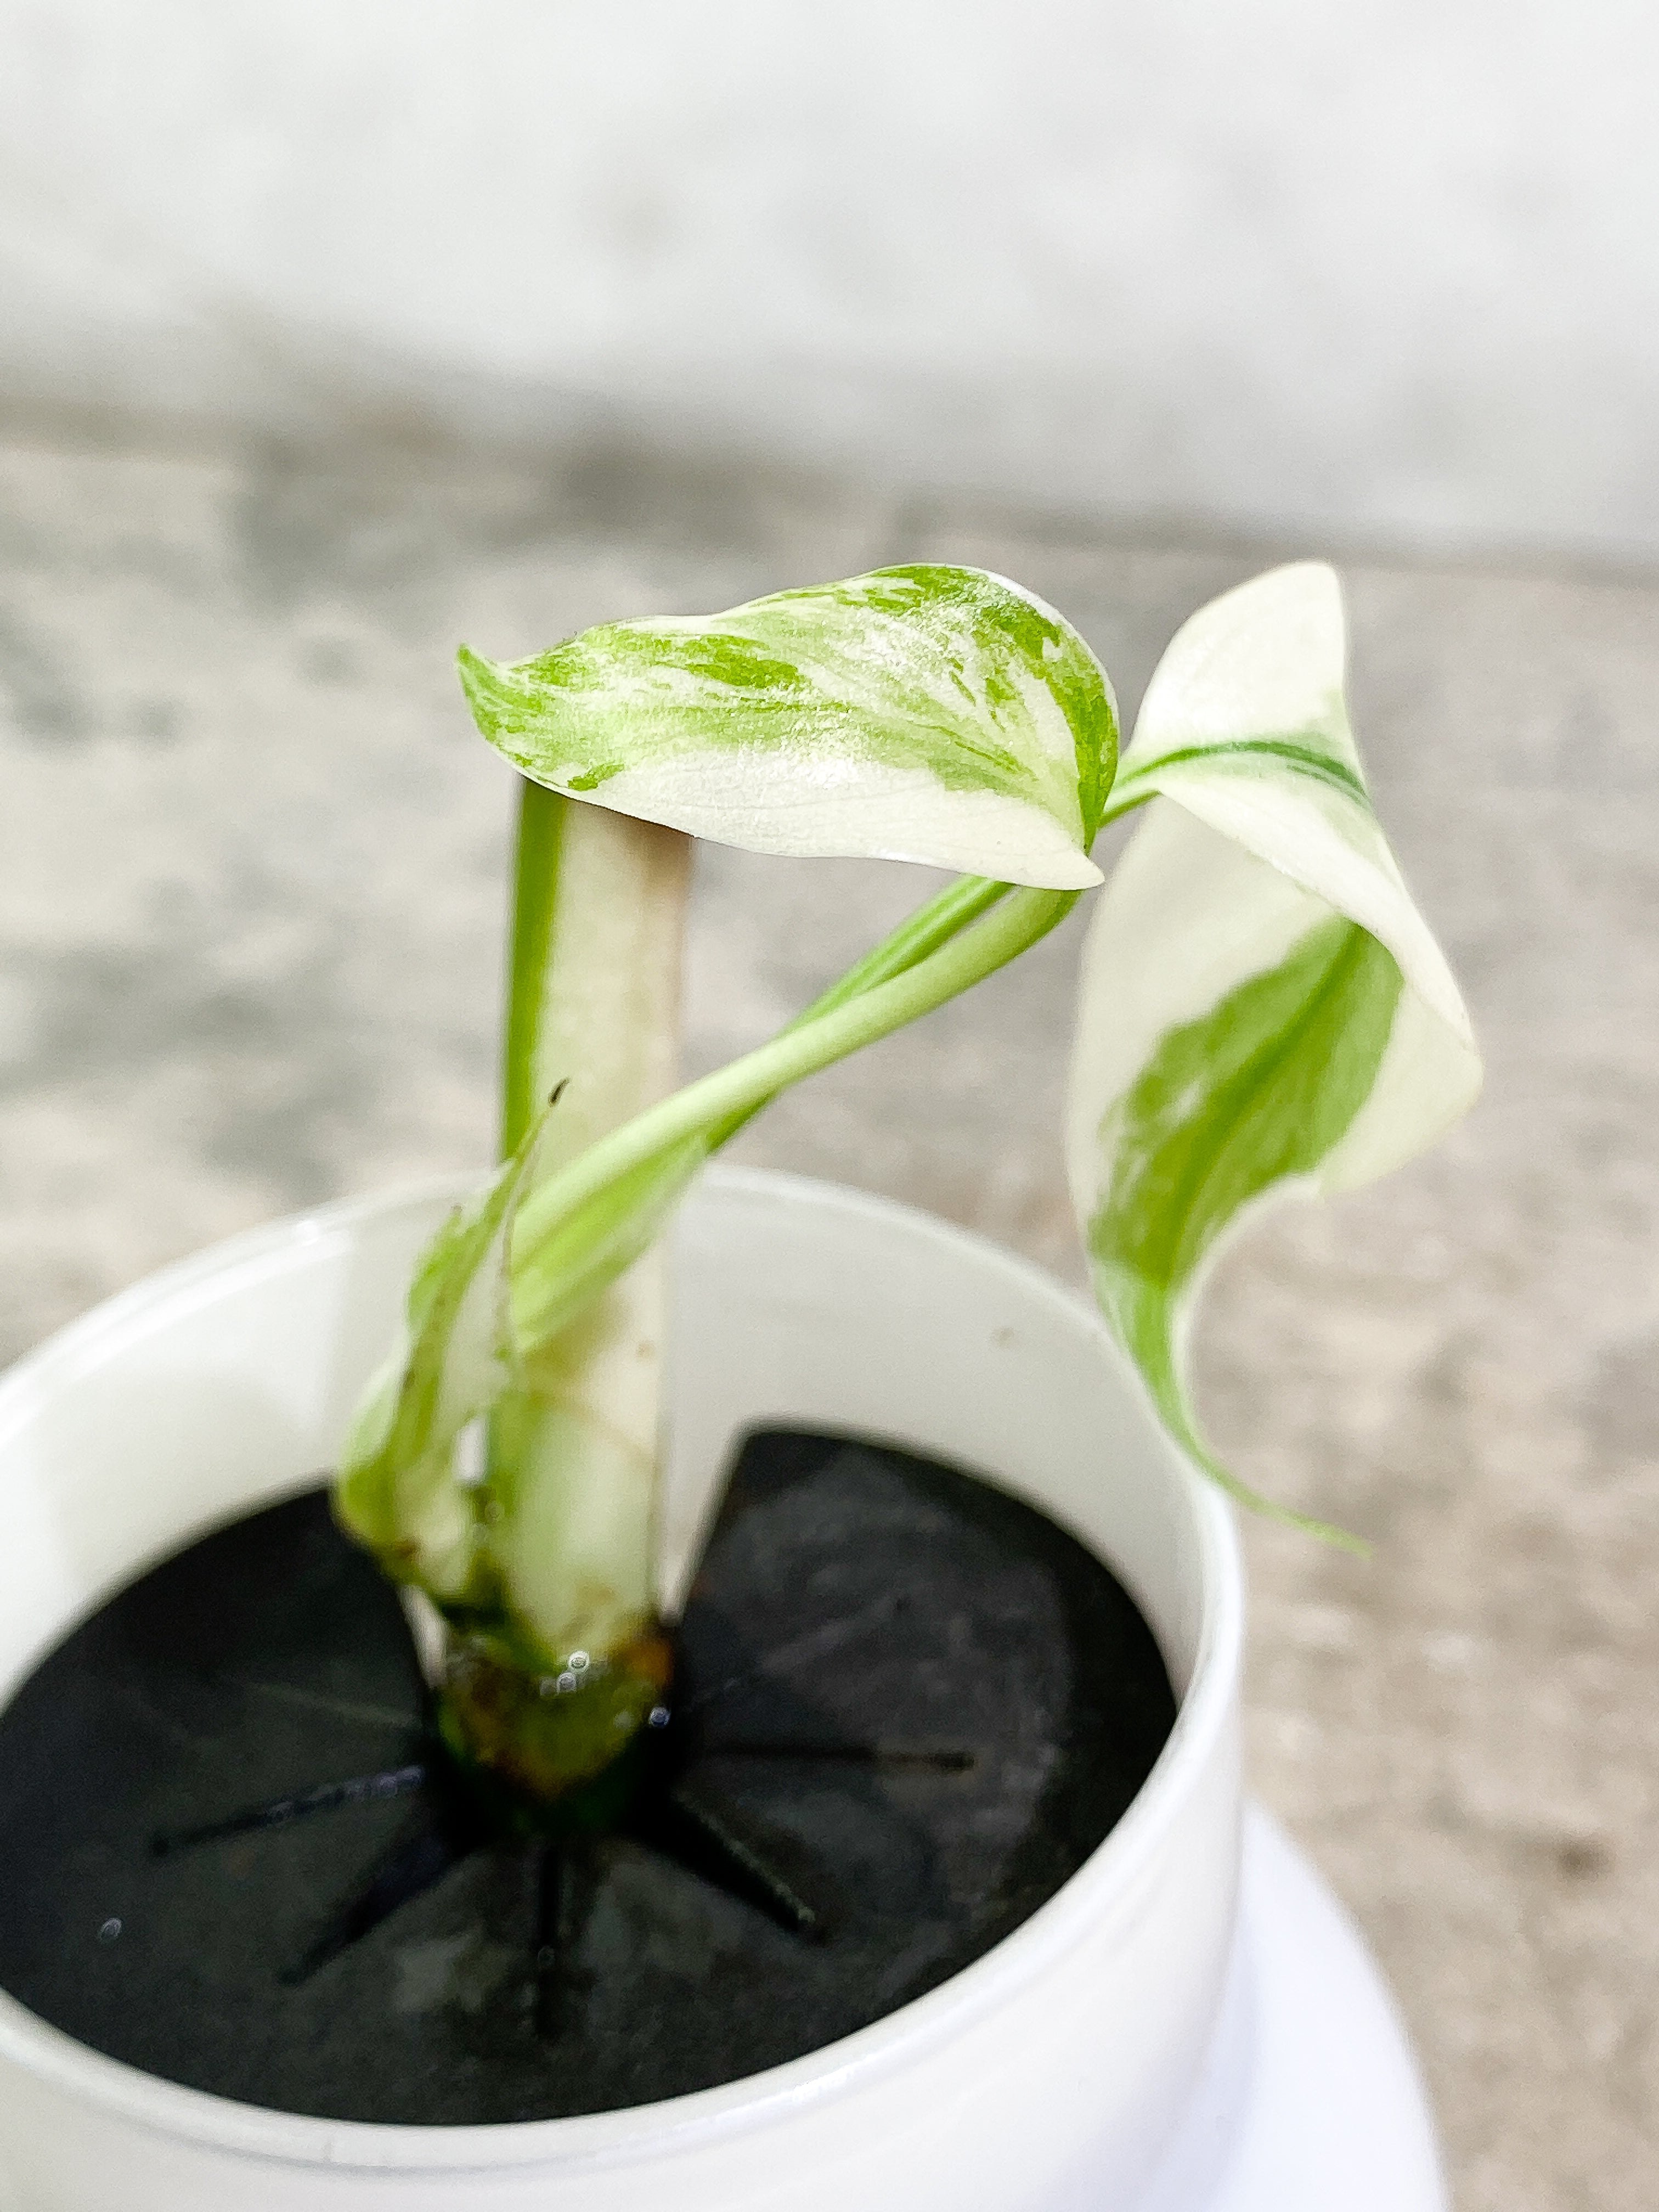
1263,1009
1245,725
924,714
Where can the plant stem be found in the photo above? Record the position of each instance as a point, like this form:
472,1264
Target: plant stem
593,975
542,817
564,1516
931,926
714,1106
926,931
553,1663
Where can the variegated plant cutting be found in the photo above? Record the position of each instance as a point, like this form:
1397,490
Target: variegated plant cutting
1262,1010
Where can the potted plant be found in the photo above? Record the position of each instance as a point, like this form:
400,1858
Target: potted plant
1262,1009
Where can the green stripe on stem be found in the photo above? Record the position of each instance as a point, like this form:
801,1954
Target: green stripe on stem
535,890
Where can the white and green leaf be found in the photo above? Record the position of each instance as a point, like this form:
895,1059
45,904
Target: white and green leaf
929,713
1263,1010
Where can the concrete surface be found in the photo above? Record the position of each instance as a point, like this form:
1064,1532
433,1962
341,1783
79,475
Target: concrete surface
250,887
1389,266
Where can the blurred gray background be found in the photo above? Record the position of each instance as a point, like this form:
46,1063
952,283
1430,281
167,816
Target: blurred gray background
333,336
1385,268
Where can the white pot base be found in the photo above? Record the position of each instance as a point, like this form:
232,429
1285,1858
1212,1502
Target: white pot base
1310,2098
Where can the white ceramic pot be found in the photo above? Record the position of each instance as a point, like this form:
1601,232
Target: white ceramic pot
1088,2062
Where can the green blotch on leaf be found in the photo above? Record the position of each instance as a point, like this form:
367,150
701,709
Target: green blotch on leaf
1256,1091
1302,756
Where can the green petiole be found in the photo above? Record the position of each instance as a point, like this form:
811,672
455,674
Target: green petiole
851,1019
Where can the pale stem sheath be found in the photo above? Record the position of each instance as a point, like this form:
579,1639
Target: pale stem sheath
593,1000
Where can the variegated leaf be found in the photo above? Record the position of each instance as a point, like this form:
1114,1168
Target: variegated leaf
1263,1007
924,714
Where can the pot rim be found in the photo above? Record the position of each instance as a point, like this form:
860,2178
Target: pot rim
1106,1884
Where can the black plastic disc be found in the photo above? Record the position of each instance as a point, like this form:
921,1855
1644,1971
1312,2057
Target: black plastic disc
916,1705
